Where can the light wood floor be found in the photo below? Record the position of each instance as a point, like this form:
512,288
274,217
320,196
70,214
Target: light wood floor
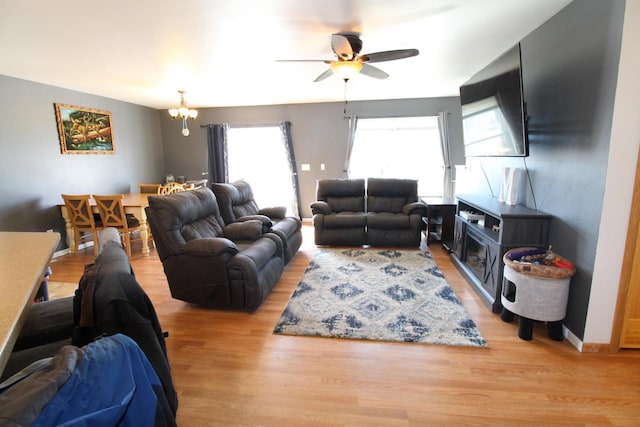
230,370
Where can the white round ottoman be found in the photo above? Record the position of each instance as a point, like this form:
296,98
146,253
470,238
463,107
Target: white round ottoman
533,298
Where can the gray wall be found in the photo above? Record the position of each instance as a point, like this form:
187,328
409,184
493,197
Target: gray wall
570,70
35,173
570,67
319,133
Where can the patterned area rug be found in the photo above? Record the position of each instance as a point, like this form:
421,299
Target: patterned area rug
373,294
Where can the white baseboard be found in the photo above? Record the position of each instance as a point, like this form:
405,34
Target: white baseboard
66,251
572,338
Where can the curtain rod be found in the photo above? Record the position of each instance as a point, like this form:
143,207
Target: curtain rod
247,126
397,117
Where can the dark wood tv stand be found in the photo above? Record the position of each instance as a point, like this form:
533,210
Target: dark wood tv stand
479,245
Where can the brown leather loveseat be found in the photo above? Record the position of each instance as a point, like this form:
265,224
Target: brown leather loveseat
387,212
210,264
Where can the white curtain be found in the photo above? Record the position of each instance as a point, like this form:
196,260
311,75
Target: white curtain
447,181
353,123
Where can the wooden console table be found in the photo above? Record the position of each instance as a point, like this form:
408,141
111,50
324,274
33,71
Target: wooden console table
24,257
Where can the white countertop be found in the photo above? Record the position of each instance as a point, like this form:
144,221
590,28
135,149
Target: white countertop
24,257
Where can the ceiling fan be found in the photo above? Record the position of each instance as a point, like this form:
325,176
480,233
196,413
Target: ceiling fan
347,45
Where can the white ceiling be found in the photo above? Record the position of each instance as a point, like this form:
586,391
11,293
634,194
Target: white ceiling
224,52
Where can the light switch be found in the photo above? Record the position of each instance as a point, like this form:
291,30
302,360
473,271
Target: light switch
305,167
321,166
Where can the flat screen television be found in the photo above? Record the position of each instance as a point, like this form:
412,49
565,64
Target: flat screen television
494,119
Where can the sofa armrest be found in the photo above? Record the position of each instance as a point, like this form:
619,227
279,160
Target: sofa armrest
265,220
320,207
212,246
246,230
277,212
415,208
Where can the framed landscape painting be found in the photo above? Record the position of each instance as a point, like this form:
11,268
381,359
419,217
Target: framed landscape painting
84,130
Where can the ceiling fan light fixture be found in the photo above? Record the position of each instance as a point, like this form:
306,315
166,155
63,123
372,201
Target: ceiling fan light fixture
346,69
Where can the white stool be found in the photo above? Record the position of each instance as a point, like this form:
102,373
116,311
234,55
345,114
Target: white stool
534,298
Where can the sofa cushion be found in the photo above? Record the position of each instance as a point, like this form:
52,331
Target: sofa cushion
342,194
341,204
385,204
345,220
390,195
389,221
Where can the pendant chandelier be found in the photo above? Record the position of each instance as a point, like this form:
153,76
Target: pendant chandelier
183,113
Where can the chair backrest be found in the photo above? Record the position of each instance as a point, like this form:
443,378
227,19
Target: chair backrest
235,200
390,195
149,188
79,209
342,194
178,218
111,211
170,188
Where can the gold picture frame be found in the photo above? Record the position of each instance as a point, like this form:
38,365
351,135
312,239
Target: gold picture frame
84,130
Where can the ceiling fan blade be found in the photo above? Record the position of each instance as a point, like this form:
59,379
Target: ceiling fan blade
324,75
346,45
388,55
326,61
371,71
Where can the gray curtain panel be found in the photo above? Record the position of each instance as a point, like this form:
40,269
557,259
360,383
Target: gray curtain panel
285,128
217,151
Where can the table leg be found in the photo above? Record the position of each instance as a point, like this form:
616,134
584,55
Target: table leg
71,237
144,235
141,215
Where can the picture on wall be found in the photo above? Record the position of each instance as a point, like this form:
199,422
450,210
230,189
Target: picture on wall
84,130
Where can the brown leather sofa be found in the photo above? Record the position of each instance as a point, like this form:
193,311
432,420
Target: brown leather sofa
237,204
210,264
386,212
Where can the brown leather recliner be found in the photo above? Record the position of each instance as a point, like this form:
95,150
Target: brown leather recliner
207,263
339,212
394,213
237,204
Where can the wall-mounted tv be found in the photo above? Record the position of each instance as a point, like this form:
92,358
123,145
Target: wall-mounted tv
494,119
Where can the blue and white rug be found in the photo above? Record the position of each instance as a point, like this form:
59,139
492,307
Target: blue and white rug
374,294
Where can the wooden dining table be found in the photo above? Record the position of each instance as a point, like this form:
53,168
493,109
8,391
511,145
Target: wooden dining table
134,203
24,258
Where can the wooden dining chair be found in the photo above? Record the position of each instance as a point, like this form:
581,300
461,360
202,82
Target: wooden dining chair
82,219
112,214
149,188
170,188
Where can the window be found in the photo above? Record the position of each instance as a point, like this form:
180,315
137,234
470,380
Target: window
401,147
258,155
